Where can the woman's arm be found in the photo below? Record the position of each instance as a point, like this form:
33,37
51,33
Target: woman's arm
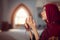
36,33
30,34
29,31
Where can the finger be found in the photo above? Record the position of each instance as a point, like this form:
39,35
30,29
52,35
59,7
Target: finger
26,26
30,19
34,22
26,20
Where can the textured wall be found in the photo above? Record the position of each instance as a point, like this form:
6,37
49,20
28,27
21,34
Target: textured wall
40,3
9,5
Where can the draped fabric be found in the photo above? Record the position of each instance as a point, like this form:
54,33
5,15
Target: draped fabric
53,24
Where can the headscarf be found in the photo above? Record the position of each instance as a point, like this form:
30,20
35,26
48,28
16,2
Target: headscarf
53,17
53,14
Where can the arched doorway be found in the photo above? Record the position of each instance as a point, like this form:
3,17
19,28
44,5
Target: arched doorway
19,15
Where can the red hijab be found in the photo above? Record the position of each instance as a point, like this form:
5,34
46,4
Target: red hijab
53,16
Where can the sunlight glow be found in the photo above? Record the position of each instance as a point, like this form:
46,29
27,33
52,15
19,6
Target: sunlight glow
21,15
17,30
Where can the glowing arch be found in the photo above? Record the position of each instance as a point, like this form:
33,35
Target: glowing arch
22,12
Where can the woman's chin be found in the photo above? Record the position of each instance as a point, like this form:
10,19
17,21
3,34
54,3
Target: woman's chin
43,19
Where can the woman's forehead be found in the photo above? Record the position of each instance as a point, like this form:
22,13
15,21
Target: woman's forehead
44,8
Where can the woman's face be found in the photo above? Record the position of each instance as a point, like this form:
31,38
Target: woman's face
43,14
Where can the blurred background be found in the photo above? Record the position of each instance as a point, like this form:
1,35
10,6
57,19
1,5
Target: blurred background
12,22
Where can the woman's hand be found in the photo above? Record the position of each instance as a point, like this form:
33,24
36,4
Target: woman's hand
31,22
32,25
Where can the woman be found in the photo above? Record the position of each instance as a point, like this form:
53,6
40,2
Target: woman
50,14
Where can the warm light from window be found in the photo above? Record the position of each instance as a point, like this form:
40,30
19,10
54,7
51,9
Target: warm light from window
21,15
16,30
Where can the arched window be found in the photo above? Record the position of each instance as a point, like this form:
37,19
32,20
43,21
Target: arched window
20,14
